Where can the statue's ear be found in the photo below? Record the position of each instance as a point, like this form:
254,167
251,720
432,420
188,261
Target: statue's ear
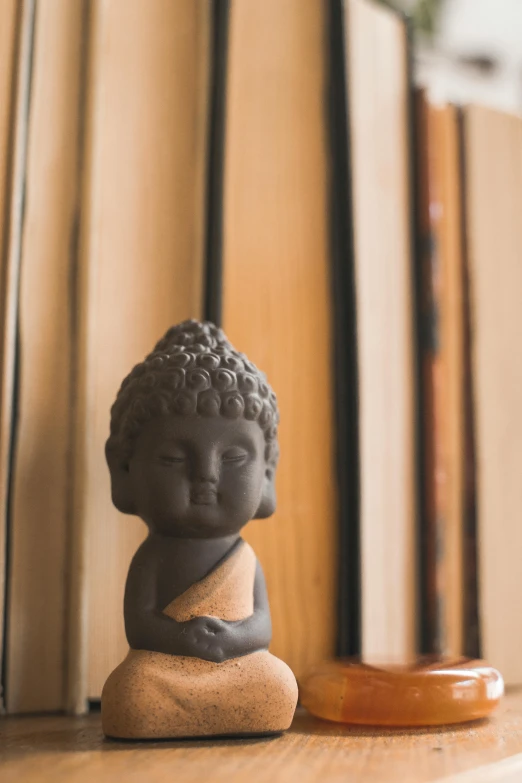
267,506
121,485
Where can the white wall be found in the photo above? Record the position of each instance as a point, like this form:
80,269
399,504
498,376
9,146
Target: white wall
469,28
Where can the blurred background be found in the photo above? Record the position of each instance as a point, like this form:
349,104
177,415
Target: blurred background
469,50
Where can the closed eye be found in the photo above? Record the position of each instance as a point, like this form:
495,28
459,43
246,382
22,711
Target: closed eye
170,459
234,455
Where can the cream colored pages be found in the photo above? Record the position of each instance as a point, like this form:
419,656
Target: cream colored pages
378,100
277,298
140,272
36,606
494,206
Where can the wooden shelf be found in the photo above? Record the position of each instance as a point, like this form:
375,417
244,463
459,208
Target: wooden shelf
64,749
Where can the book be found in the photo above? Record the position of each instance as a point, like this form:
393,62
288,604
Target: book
9,29
277,298
492,147
442,332
39,514
140,269
16,40
471,634
433,510
378,88
447,217
261,165
344,343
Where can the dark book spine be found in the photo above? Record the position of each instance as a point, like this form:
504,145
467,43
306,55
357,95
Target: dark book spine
416,251
471,593
216,162
433,505
345,335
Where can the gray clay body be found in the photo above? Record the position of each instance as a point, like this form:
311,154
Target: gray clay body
193,452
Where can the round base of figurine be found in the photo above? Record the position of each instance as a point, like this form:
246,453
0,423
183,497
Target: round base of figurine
429,692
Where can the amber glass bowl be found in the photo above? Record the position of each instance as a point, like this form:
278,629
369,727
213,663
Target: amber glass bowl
429,692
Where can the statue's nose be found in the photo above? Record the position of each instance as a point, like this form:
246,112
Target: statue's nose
206,469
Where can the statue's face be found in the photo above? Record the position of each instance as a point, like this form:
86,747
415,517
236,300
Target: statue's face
196,477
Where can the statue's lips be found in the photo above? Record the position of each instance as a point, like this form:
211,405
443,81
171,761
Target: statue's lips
203,498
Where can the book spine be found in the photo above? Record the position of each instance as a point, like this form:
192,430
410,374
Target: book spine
213,304
345,337
38,556
434,496
10,28
448,216
140,269
472,646
13,215
277,298
382,211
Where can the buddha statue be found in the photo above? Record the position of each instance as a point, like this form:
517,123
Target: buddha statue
193,452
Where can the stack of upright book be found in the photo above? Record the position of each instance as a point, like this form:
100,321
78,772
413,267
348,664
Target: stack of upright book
269,165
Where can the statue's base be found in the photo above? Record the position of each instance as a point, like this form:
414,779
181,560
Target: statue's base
430,692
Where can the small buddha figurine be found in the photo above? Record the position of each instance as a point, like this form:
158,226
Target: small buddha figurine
193,452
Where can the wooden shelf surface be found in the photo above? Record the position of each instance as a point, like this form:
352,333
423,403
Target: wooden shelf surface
58,749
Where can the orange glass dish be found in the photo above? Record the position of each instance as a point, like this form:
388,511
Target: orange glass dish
430,692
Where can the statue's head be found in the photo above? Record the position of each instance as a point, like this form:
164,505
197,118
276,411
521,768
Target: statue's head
193,445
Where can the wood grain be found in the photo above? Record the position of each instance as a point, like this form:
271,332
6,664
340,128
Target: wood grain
494,199
378,90
72,750
38,542
9,33
140,272
508,771
277,299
